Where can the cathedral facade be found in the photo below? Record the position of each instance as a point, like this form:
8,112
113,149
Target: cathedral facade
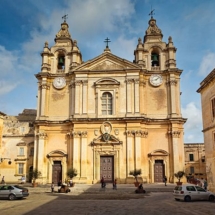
109,116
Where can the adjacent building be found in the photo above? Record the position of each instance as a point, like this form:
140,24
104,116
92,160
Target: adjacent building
195,165
207,91
17,145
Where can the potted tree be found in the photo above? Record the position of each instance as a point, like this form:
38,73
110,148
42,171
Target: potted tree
135,173
71,173
34,174
179,175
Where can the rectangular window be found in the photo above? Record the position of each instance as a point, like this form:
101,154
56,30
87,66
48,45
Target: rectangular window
21,151
192,170
21,168
191,157
213,107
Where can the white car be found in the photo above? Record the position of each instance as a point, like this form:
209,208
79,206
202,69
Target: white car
188,192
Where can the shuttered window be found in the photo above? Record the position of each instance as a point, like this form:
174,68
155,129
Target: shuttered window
106,103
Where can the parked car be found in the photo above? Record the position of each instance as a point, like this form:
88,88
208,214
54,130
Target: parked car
188,192
12,192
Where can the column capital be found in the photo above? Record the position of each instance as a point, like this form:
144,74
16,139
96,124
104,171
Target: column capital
174,134
44,86
172,82
42,135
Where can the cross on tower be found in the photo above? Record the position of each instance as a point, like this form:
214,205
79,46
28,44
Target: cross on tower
152,13
107,40
65,17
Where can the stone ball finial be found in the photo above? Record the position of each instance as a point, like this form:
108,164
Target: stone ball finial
139,40
75,42
170,39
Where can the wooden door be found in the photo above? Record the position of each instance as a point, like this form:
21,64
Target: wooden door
106,168
158,171
56,172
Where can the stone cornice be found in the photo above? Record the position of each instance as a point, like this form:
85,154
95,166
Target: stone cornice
210,78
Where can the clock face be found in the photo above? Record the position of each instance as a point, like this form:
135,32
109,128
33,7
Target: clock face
156,80
59,82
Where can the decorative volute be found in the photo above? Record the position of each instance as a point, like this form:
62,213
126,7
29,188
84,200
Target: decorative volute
63,33
153,33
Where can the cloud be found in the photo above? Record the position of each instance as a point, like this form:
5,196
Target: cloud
207,64
7,86
193,126
97,15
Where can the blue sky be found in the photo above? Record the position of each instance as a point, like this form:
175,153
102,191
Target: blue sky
26,25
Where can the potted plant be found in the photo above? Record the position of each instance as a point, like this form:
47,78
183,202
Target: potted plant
71,173
135,173
34,174
179,175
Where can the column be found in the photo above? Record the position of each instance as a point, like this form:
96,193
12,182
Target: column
44,86
175,152
138,149
84,154
77,97
72,98
76,151
84,102
69,148
136,96
41,136
129,100
130,152
172,84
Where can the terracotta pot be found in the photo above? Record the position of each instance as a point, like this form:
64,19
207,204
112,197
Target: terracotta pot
136,184
179,183
34,184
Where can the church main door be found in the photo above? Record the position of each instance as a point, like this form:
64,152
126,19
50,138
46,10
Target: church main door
158,171
106,168
56,172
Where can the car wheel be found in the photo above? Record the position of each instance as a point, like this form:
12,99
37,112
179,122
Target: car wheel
187,199
177,199
211,198
12,197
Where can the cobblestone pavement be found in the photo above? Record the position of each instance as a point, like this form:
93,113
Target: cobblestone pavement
99,201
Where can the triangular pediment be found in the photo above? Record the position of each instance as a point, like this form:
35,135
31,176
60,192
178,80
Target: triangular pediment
107,61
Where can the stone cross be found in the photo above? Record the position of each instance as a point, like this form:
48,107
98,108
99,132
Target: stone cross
107,40
65,17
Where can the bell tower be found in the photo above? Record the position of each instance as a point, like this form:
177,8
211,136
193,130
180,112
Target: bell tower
160,94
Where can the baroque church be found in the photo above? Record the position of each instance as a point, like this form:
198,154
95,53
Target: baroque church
108,116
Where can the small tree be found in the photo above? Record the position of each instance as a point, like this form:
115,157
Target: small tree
34,174
72,172
135,173
179,175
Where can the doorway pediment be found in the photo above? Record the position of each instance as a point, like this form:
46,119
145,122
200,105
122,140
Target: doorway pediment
158,152
57,153
106,139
